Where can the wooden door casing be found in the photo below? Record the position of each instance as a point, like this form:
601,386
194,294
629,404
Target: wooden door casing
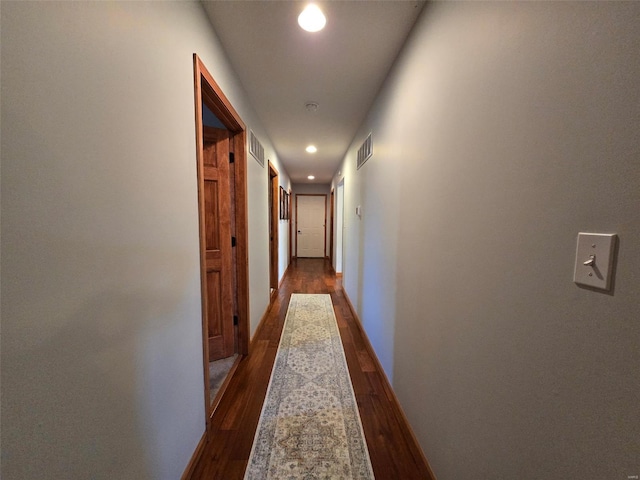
208,92
273,228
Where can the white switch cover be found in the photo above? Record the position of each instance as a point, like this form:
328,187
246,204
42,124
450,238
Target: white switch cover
594,260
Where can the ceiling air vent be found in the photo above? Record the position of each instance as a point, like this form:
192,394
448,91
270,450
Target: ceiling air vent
256,149
365,151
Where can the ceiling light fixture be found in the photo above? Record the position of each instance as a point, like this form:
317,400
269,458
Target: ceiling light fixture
312,19
311,149
311,177
311,106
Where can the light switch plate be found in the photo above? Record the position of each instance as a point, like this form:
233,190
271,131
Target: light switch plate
594,260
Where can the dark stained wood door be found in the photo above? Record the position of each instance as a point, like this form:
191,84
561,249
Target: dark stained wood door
218,302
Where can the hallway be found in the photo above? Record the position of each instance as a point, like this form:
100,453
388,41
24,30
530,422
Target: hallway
497,133
393,452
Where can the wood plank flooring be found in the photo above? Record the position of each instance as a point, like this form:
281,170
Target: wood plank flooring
393,451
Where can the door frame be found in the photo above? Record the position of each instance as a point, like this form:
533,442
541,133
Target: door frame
324,249
207,91
274,218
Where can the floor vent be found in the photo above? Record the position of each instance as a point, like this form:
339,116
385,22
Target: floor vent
365,151
256,149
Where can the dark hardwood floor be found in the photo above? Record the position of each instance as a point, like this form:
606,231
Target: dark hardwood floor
393,451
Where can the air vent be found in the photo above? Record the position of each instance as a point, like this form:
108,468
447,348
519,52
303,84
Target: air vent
256,149
365,151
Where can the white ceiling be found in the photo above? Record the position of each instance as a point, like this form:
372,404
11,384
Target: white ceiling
282,67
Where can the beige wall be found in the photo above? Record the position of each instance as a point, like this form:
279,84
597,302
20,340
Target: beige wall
101,323
503,130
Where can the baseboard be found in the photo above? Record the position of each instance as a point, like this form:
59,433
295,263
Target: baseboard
387,386
188,473
266,312
333,270
260,326
339,275
286,272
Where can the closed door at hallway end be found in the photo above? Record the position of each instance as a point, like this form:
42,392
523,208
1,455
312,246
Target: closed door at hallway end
311,216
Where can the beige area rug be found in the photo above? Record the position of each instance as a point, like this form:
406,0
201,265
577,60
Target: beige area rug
309,426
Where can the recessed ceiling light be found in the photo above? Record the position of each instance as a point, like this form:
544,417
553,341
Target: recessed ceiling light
311,177
311,149
312,19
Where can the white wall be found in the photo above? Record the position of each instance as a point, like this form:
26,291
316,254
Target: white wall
283,230
258,194
316,189
503,130
339,226
101,323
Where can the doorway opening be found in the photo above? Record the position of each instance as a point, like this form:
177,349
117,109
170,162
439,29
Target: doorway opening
273,231
222,213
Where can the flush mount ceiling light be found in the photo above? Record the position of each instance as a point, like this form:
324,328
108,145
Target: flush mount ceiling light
311,106
311,149
311,177
312,19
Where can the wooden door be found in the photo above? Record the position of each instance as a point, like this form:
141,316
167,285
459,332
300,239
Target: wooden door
218,302
311,218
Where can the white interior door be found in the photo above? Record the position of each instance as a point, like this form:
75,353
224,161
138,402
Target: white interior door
311,215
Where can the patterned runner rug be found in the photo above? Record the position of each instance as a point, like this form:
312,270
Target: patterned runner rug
309,426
